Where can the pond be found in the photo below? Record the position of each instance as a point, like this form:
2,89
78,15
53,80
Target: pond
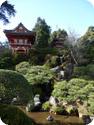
40,119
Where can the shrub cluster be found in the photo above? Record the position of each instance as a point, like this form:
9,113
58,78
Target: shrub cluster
13,84
13,116
74,89
86,72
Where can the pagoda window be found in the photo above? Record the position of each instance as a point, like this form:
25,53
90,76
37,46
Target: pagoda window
25,41
15,40
21,41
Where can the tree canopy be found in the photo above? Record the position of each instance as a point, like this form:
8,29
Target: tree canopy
42,33
60,35
6,10
86,46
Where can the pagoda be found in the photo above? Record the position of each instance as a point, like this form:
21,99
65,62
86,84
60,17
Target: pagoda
20,39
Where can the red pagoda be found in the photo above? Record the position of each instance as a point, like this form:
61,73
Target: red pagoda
20,39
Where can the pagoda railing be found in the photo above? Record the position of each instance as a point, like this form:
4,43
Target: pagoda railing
20,44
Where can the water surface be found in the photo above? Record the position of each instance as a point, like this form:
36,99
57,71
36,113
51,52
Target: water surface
40,119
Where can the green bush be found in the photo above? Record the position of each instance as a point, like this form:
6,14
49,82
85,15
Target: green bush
37,55
34,74
19,57
37,89
22,67
13,84
90,71
86,72
72,111
46,106
74,89
80,71
91,102
60,90
51,62
59,110
13,116
6,60
38,75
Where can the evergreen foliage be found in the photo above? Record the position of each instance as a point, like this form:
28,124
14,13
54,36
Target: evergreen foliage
22,67
86,47
6,11
86,72
11,115
13,84
42,33
75,89
38,75
59,35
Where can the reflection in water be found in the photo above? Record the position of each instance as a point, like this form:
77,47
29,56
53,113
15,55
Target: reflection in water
40,119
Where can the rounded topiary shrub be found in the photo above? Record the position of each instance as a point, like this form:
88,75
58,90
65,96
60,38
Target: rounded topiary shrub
11,115
12,86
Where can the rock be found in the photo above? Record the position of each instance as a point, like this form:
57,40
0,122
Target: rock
30,106
37,103
50,118
86,119
15,100
62,73
55,69
37,100
91,123
53,101
2,123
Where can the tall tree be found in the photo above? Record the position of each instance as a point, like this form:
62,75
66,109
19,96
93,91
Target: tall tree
42,33
6,10
86,46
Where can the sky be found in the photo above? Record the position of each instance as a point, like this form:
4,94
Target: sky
71,15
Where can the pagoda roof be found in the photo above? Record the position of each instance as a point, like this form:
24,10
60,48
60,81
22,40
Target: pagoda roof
19,30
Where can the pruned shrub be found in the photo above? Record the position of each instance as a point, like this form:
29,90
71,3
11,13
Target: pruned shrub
13,116
75,88
38,75
22,67
12,85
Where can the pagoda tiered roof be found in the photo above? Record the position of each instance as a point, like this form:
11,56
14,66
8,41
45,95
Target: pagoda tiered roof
19,30
20,38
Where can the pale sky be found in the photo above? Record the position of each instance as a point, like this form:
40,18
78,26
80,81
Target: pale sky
76,15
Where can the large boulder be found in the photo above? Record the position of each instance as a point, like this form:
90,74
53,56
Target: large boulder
30,106
37,103
53,101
